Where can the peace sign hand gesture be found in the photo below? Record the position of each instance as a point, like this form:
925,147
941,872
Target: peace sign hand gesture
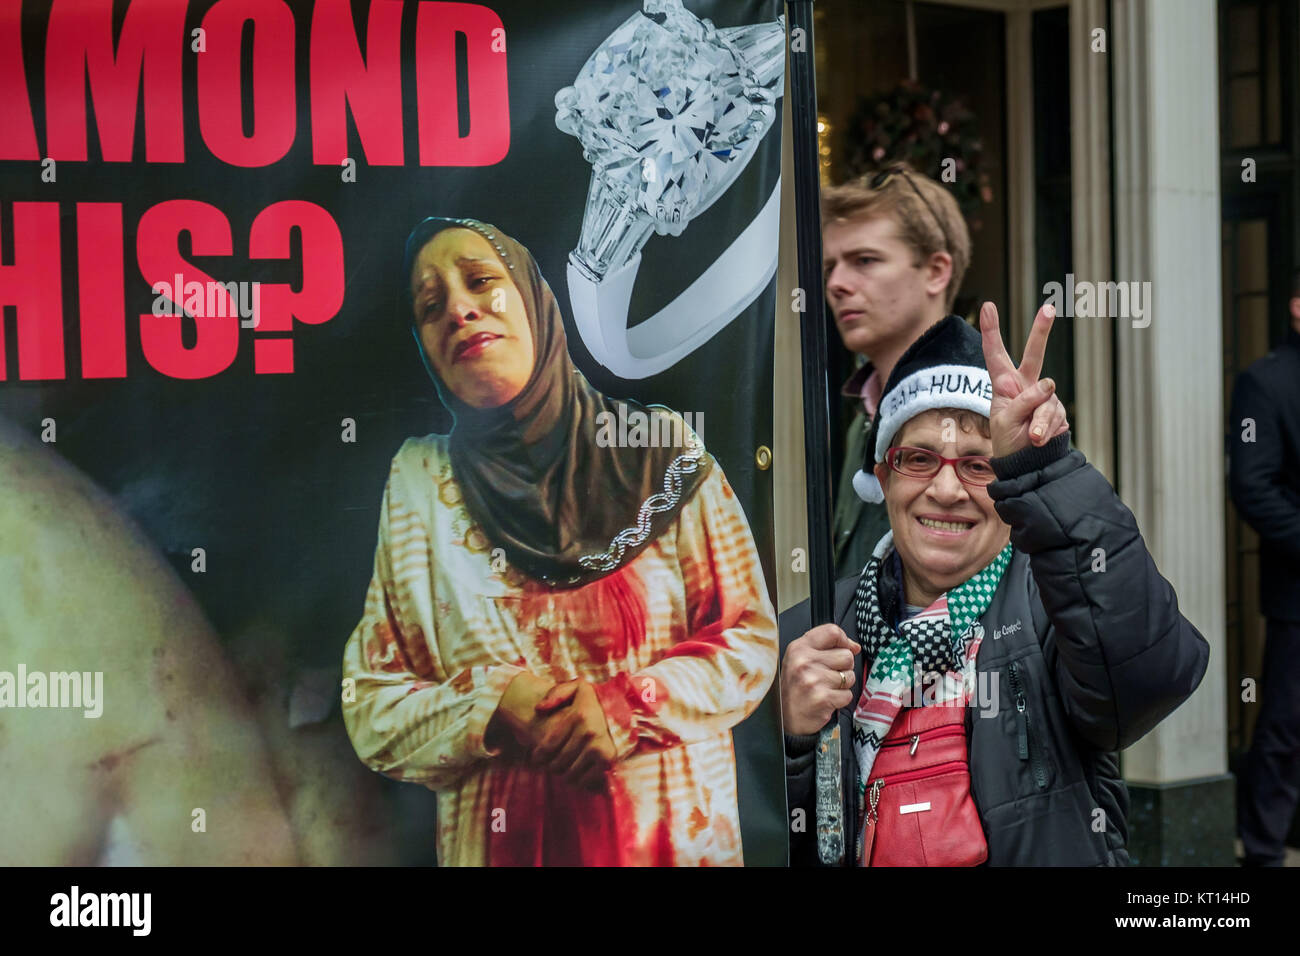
1025,411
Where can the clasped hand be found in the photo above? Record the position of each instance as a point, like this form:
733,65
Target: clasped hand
561,728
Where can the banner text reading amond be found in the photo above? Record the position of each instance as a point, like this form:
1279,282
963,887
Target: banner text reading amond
148,63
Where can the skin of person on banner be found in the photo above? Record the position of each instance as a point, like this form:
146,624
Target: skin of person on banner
1014,599
560,632
895,248
158,759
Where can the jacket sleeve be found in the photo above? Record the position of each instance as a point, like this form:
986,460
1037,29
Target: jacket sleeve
407,716
1256,478
1125,656
717,674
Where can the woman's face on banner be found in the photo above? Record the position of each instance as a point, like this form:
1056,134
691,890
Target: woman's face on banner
471,318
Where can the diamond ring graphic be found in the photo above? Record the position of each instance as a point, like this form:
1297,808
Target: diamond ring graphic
669,110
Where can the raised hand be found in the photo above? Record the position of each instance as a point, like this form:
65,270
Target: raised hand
1025,410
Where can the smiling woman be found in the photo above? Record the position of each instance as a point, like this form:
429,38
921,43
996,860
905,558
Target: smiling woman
561,631
979,580
942,517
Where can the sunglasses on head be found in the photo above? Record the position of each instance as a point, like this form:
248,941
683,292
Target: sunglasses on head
923,463
899,170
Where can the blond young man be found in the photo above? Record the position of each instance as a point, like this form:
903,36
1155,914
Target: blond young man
895,249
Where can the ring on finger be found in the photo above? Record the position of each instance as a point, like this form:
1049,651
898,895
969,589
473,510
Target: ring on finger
843,680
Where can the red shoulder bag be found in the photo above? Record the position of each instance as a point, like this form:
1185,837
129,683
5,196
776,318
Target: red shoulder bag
919,808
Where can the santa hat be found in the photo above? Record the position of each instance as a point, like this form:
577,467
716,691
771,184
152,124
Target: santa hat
944,368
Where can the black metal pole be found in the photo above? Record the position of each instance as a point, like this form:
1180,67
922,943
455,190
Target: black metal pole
816,399
808,233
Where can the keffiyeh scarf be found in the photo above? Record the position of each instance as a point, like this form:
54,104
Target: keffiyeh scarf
937,647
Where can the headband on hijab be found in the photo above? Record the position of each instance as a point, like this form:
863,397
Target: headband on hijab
565,509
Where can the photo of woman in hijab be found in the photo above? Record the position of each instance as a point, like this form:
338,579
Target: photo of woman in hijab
559,635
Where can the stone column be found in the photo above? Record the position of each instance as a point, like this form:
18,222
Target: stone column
1094,424
1164,59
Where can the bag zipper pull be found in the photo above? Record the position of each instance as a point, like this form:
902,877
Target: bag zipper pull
874,799
916,739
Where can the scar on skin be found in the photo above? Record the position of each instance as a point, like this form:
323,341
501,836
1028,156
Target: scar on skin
110,760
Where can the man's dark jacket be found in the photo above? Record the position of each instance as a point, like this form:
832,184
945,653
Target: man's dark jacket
856,525
1264,474
1088,631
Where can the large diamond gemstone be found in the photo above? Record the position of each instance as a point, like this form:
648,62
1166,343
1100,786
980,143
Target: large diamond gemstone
666,104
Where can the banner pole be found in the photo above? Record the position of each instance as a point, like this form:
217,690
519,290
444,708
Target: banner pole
816,399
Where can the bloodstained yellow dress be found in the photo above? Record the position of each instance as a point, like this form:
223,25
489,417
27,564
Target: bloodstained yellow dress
680,642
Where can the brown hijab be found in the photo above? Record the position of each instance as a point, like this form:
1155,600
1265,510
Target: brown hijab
565,510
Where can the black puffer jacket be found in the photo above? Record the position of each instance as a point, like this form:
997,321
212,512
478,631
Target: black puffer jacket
1098,657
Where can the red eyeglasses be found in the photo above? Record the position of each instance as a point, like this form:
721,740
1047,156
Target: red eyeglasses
923,463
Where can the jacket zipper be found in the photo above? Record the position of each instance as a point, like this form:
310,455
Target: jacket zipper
1024,732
